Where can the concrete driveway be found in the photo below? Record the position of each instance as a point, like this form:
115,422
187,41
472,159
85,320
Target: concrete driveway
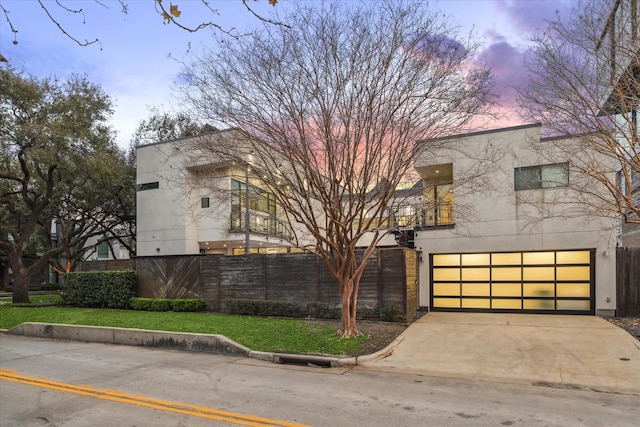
554,350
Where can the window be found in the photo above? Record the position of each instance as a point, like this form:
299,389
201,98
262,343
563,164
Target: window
147,186
103,250
204,202
543,176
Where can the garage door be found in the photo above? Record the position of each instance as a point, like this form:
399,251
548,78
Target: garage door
532,282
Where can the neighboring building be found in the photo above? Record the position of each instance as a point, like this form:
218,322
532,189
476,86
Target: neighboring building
514,242
618,54
106,250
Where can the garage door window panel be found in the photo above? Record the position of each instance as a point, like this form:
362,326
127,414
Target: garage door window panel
446,274
538,273
506,289
506,304
446,260
539,304
446,289
446,302
538,258
476,289
576,290
476,259
539,290
573,305
573,273
506,274
573,257
476,303
476,274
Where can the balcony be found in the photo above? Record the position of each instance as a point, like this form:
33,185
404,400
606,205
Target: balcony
260,224
435,214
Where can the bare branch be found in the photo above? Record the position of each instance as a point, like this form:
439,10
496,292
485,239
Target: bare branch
330,110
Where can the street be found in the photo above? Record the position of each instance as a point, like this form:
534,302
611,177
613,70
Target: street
57,383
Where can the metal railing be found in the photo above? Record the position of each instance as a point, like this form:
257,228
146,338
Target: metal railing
422,215
260,224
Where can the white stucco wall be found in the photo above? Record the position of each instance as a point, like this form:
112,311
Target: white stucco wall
490,216
162,224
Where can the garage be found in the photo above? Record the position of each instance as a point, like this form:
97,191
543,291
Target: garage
557,281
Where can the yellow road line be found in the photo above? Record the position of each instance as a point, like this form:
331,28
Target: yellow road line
163,405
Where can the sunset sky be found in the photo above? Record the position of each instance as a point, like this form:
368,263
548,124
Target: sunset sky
137,58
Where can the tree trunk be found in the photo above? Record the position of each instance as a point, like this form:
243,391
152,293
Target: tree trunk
348,327
21,277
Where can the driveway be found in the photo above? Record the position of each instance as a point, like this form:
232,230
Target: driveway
553,350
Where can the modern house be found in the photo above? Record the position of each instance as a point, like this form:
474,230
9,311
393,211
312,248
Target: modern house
498,216
495,224
517,240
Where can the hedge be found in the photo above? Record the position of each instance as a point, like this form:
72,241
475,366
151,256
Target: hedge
102,289
316,310
162,304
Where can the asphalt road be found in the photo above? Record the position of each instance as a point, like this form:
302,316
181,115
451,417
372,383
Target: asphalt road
55,383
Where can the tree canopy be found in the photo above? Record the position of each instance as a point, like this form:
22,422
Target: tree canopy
62,177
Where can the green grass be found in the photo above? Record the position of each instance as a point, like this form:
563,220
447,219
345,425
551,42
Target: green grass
37,299
257,333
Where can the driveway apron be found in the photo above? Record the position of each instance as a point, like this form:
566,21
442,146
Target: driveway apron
555,350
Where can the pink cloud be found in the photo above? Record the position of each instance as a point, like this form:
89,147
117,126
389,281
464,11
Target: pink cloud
530,16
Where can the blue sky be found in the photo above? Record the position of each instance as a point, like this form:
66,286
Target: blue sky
135,61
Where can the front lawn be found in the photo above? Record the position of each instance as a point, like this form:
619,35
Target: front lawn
257,333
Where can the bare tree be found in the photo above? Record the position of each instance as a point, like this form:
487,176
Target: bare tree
171,14
584,88
332,108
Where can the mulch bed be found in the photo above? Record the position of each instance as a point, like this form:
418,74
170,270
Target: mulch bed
629,324
380,334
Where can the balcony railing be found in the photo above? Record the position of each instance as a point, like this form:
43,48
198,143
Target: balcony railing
423,215
260,224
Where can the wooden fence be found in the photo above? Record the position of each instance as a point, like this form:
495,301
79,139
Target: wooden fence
628,281
390,278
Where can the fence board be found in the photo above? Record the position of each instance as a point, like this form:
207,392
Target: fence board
628,281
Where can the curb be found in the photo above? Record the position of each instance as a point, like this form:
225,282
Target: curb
207,343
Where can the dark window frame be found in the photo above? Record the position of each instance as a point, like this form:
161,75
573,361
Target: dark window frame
148,186
532,177
103,250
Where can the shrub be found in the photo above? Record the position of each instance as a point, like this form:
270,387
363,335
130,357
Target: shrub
390,314
320,310
187,305
163,304
102,289
263,308
317,310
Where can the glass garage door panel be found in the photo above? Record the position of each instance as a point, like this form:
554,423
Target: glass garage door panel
576,290
446,274
446,289
506,304
506,289
446,302
573,257
544,281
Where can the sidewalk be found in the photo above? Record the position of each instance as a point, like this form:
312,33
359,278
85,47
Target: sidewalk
555,350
